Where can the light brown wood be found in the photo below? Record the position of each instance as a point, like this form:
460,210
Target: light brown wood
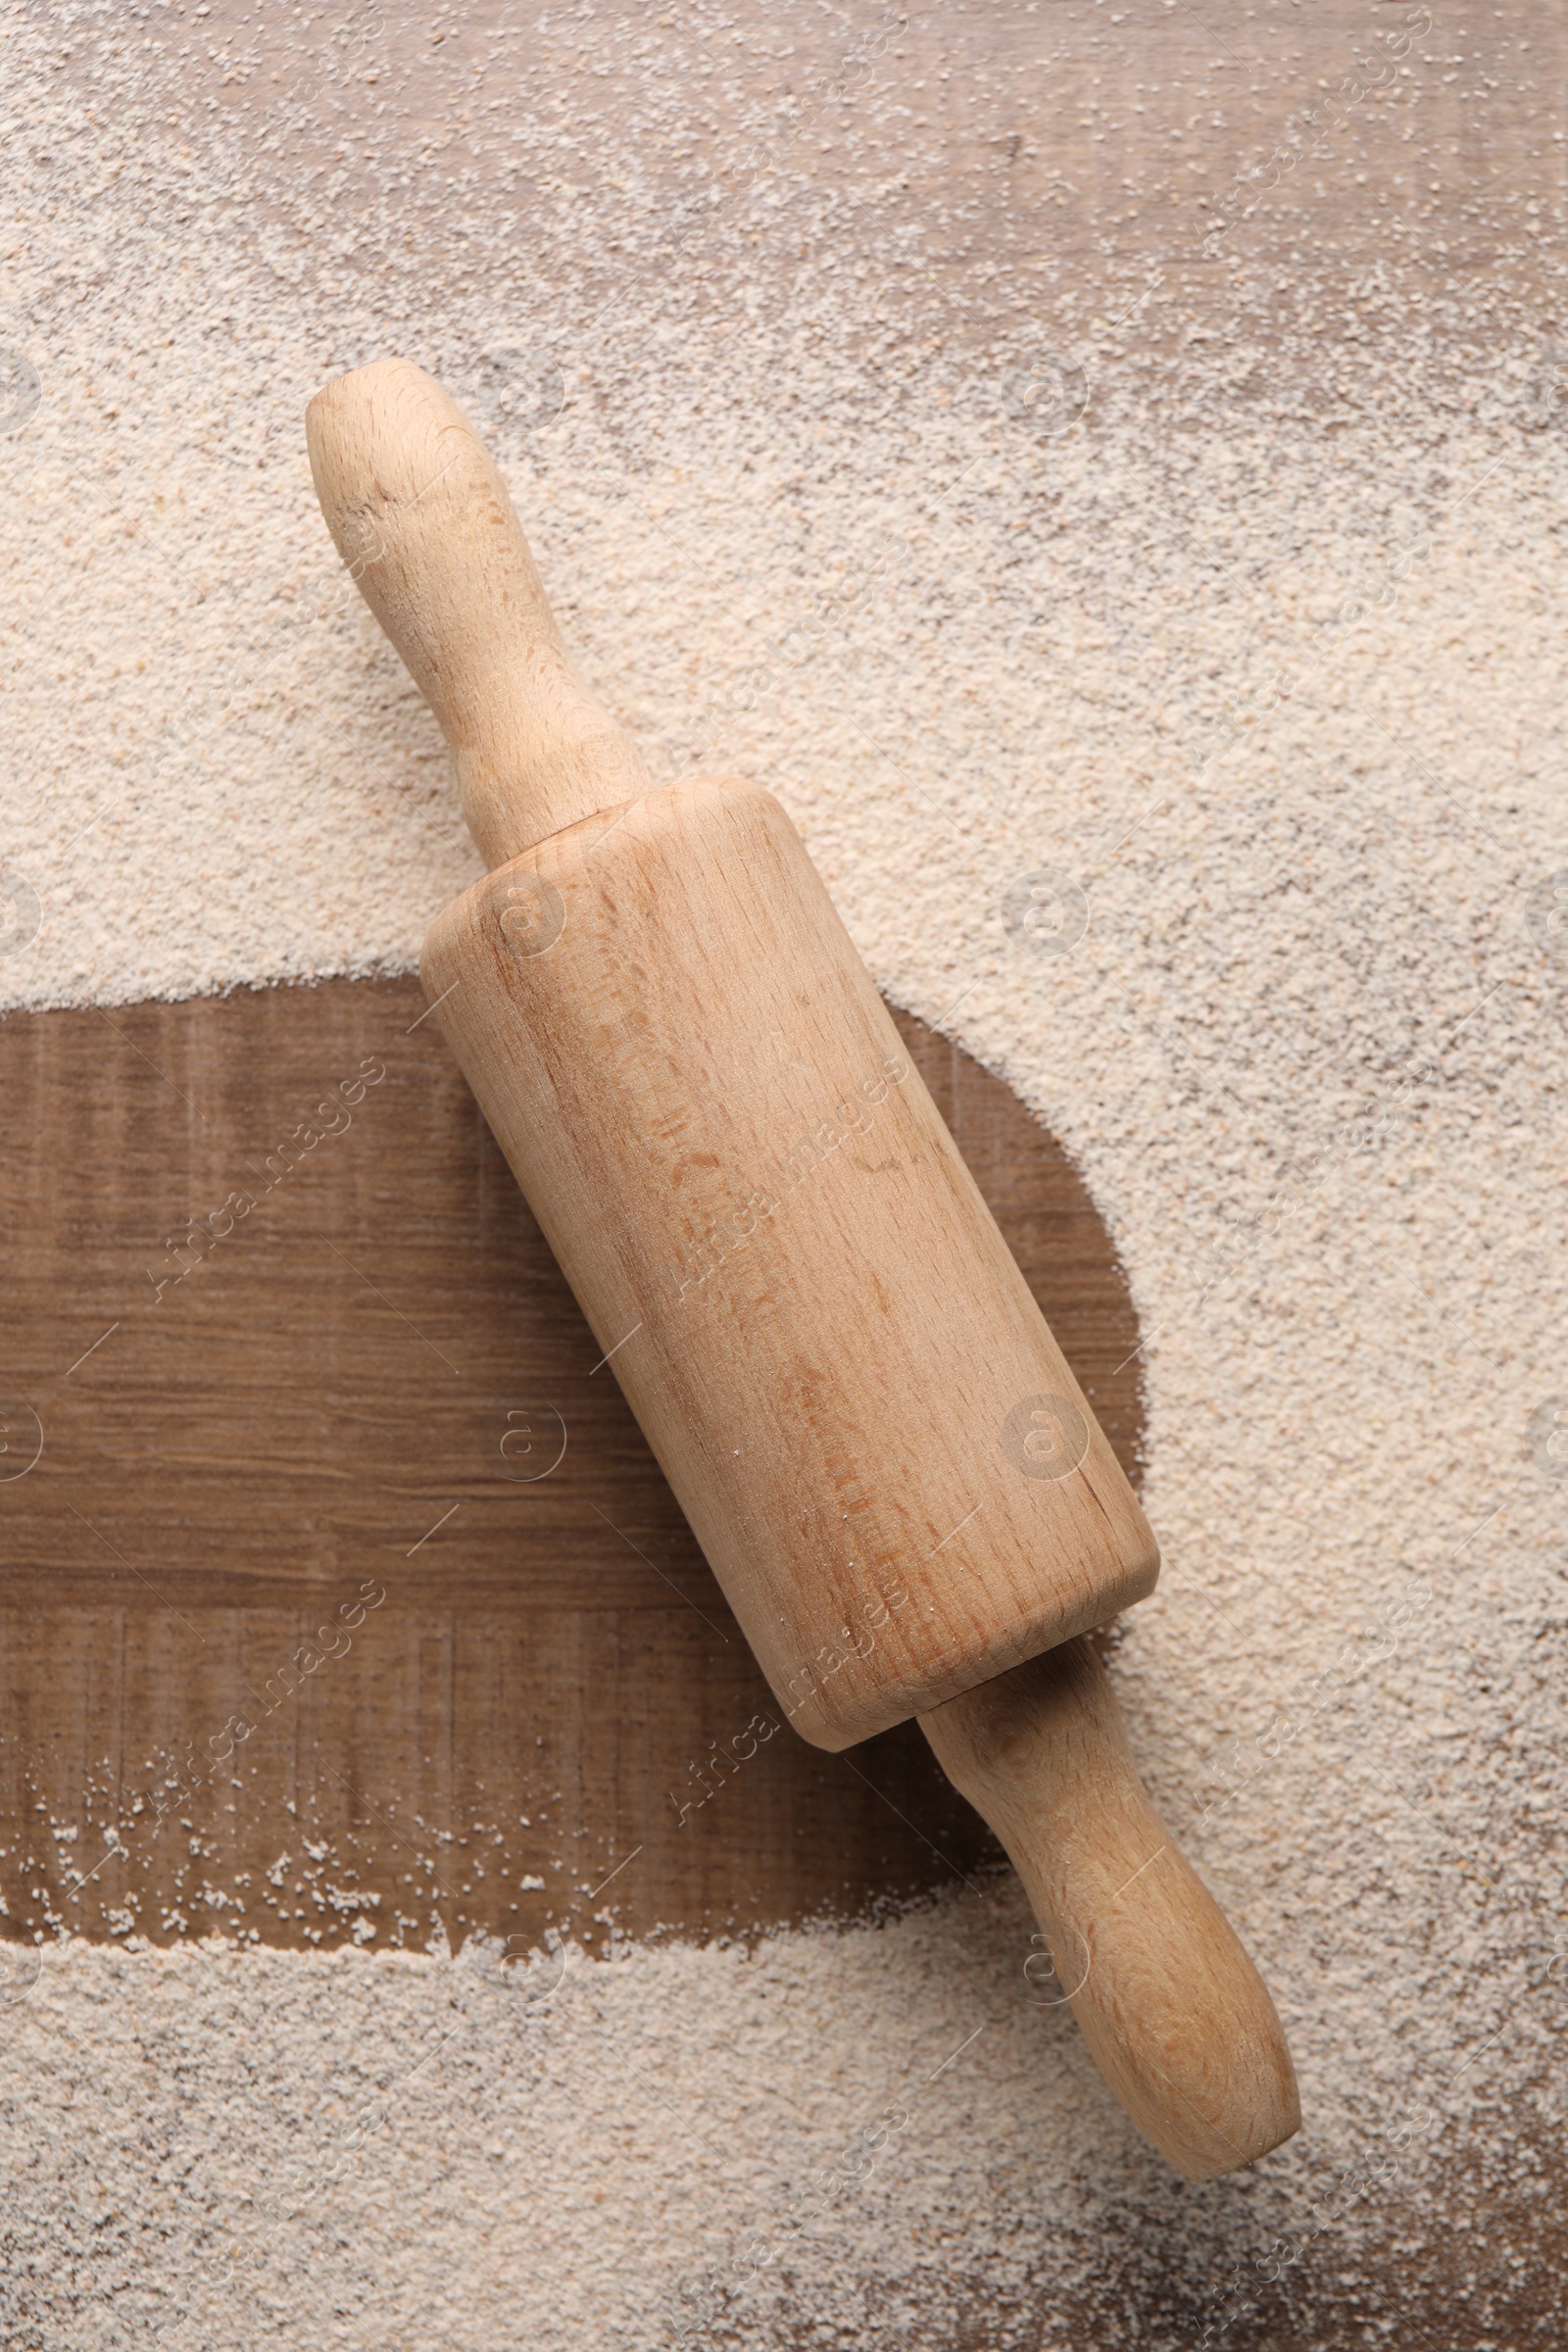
1176,2015
786,1264
855,1400
422,521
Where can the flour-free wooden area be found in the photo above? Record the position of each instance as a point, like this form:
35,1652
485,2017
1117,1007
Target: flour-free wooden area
354,1390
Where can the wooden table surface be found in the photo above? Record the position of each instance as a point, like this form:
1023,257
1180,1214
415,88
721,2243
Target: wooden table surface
339,1406
371,1407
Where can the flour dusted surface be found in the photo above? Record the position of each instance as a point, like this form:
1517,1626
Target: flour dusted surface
627,2129
1277,689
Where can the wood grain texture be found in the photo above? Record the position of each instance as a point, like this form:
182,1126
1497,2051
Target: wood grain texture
320,1403
424,525
804,1296
1024,1749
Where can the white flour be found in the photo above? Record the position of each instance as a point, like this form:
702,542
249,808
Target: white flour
1305,1052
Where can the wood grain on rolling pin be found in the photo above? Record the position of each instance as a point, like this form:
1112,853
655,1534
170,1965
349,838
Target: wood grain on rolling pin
807,1300
227,1468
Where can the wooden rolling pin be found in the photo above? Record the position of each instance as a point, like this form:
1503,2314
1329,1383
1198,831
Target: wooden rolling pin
839,1366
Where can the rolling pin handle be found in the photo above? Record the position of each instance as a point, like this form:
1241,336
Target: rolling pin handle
423,521
1173,2010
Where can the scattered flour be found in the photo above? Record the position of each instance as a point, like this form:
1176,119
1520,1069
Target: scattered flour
1268,683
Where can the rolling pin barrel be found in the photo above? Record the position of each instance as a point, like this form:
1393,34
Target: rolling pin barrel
848,1382
843,1375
